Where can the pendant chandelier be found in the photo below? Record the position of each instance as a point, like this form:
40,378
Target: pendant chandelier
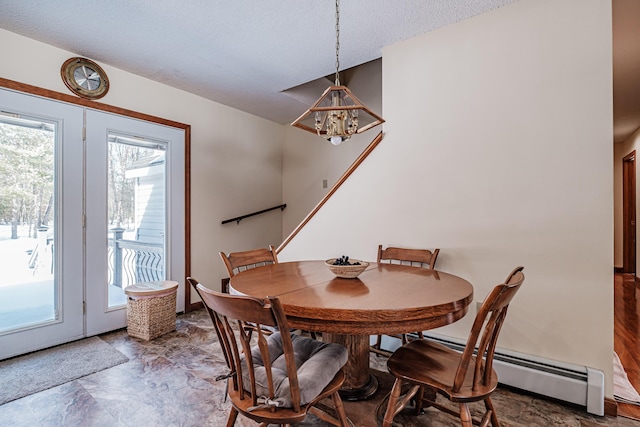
338,114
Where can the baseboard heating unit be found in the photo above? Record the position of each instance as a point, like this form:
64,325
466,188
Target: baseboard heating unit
575,384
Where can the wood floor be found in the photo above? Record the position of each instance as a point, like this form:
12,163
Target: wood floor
627,334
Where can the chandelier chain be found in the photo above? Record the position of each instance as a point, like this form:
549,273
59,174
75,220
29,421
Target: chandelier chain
337,42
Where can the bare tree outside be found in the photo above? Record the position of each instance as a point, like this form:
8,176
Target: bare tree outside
27,166
26,177
121,188
136,205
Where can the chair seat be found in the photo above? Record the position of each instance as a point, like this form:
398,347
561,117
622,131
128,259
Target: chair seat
284,415
317,363
435,365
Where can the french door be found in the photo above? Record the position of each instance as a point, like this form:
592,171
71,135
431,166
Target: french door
90,202
41,293
135,212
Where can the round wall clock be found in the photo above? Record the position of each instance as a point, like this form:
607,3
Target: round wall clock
85,78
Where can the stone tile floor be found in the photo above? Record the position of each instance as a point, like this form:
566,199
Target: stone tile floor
170,382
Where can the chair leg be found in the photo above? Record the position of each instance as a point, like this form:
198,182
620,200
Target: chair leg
418,402
465,416
428,396
488,403
342,416
233,415
391,405
378,343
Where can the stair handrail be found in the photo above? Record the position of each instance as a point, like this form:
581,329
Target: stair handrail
333,189
240,218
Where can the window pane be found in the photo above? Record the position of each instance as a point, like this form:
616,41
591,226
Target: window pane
136,214
27,286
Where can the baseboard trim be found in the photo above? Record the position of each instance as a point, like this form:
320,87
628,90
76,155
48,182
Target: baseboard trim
194,306
610,407
579,385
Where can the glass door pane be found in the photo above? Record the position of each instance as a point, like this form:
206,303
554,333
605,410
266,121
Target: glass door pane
28,295
136,213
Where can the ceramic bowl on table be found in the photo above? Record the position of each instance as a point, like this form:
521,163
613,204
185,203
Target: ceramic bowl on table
348,271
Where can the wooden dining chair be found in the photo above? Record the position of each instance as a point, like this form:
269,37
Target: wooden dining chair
431,368
236,262
513,273
422,258
283,376
241,261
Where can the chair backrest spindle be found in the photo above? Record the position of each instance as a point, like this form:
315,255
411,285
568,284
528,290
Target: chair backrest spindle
422,257
241,261
486,329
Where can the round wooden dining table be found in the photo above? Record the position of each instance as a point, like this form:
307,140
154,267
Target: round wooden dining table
383,299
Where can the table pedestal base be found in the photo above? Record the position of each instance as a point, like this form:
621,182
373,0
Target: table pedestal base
365,413
359,383
362,393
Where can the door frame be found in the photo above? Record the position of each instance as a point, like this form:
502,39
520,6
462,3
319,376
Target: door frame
64,287
46,93
629,212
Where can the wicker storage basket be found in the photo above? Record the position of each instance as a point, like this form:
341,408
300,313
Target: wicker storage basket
151,309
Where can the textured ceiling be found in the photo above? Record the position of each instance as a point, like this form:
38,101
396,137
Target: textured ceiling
247,53
241,53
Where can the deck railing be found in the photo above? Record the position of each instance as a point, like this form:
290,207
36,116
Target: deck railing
132,261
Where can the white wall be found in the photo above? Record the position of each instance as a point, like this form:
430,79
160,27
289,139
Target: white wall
236,158
497,150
